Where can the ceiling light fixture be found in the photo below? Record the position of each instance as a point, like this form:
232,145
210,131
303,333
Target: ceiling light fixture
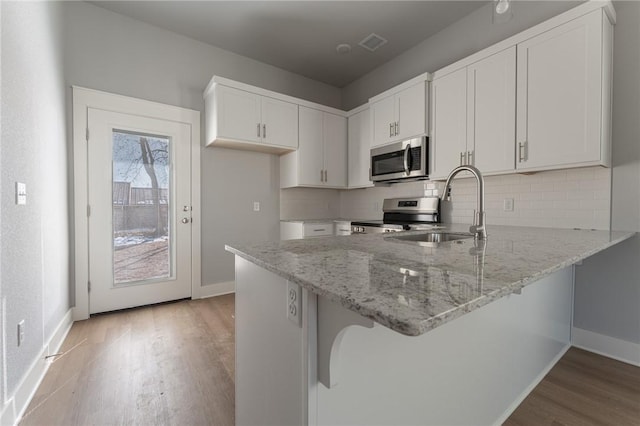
372,42
502,11
343,48
502,6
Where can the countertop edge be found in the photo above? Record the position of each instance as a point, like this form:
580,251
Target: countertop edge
413,329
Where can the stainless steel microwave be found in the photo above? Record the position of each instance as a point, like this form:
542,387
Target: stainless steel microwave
408,159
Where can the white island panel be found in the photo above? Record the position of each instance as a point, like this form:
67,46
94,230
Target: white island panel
471,371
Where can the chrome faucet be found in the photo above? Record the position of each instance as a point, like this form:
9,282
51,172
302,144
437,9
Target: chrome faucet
478,228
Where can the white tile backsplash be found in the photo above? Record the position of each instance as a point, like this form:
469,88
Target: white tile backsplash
572,198
309,203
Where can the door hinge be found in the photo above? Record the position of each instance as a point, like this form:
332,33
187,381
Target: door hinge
87,134
88,210
89,286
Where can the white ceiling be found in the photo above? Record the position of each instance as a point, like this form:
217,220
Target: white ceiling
301,36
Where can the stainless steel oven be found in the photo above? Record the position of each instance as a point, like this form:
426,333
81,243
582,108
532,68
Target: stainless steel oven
399,161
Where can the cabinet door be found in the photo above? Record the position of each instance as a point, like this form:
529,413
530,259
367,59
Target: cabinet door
359,149
311,148
335,150
560,95
491,111
411,113
280,122
382,120
449,122
238,114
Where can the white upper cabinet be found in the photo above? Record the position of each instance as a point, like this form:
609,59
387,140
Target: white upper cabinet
448,123
359,126
401,115
491,108
473,116
238,118
564,79
321,158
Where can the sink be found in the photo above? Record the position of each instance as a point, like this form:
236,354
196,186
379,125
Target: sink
433,238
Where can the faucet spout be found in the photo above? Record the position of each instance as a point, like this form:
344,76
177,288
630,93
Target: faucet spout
478,228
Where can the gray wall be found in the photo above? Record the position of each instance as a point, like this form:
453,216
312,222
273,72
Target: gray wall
459,40
113,53
608,284
34,237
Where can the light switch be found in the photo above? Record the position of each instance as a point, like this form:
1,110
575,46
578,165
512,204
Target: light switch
21,193
256,206
508,205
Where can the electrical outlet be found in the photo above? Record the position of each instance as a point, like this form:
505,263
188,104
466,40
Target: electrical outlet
21,193
294,303
508,205
20,332
256,206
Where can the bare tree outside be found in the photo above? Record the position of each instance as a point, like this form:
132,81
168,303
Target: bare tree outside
141,196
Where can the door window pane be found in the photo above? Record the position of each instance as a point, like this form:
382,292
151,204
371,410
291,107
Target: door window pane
141,207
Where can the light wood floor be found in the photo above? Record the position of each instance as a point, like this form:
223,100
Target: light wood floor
173,364
583,389
170,364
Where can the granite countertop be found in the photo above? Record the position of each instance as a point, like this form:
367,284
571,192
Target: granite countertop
413,288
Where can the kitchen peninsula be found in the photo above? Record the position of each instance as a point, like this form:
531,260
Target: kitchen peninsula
401,329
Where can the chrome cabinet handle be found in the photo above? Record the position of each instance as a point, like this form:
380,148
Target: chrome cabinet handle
321,176
390,130
325,176
264,131
397,126
521,151
461,158
470,155
258,129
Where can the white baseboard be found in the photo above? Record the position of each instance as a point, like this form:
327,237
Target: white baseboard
15,406
610,347
217,289
516,403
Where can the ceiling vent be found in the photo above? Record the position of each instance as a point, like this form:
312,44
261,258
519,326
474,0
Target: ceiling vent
372,42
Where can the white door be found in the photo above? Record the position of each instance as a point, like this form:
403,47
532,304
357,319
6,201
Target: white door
139,210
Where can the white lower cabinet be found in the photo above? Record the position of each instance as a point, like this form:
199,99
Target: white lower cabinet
564,95
321,158
342,227
299,230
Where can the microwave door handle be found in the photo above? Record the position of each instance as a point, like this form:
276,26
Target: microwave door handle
407,151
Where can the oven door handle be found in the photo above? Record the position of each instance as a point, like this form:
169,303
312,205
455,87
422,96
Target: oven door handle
407,161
